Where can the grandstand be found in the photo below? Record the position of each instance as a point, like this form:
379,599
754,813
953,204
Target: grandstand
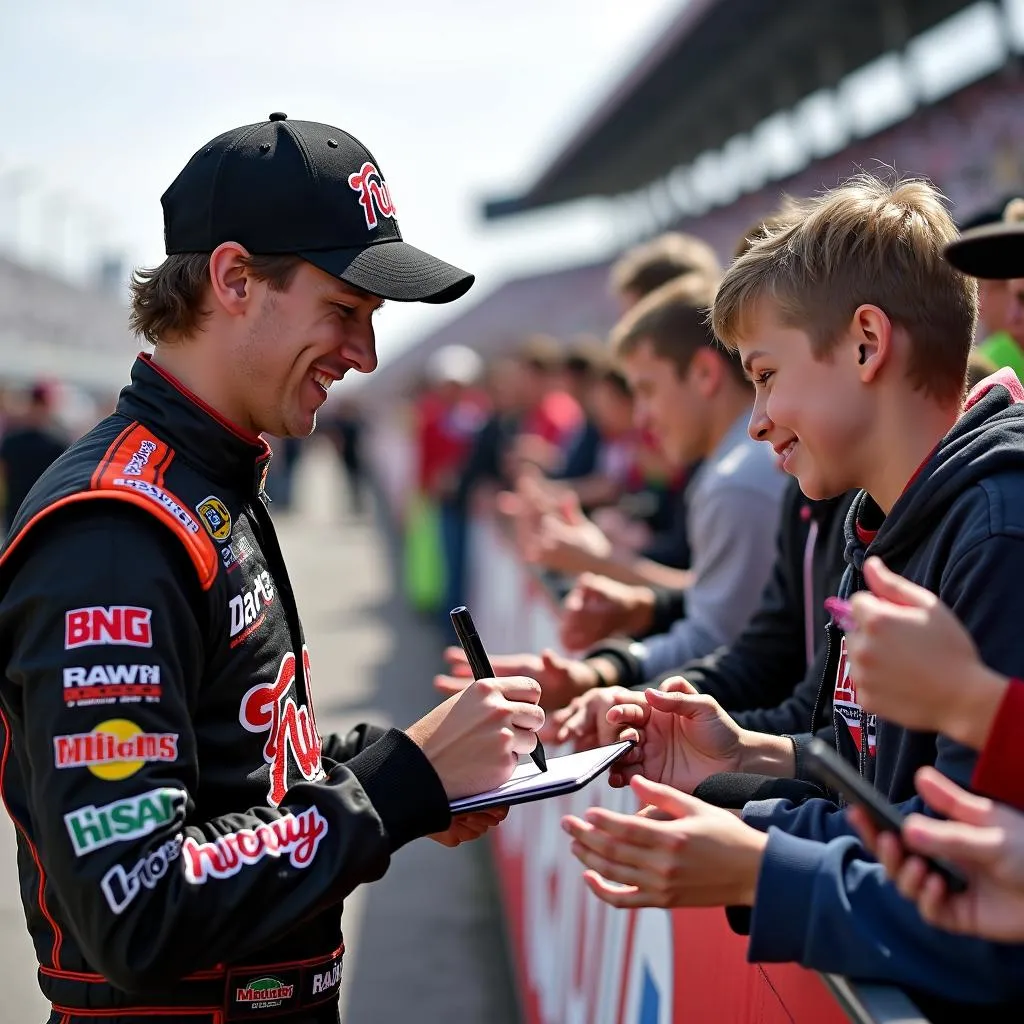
49,328
720,79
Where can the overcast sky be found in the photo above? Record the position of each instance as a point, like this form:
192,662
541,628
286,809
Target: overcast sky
458,100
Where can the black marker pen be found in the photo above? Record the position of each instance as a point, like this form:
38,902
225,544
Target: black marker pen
480,664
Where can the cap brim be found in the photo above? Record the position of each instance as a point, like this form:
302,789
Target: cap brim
994,251
396,271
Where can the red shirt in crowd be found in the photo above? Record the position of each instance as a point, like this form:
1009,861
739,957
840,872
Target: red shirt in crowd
445,433
556,418
999,773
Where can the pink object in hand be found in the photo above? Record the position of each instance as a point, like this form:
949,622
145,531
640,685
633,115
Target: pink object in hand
840,611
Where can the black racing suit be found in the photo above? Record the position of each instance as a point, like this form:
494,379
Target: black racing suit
185,836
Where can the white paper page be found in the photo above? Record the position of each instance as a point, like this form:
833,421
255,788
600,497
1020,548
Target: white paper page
528,779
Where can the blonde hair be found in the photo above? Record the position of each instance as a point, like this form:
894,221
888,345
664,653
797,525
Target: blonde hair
788,212
651,264
868,241
1014,211
674,321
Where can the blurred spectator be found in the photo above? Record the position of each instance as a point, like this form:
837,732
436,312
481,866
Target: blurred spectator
633,276
652,264
613,412
487,467
584,362
1001,306
600,475
31,443
343,424
452,412
552,417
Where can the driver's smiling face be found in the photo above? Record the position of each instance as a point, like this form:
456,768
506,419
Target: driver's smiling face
303,340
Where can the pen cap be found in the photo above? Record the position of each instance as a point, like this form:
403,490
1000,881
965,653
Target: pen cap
462,621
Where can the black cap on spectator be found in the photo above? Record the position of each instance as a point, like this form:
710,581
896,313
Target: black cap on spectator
993,251
309,189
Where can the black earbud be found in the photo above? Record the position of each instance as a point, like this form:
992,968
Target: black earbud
863,356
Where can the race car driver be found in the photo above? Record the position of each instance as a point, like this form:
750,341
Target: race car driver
186,836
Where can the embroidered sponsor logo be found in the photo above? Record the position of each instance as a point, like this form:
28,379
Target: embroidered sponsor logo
846,705
297,835
121,624
216,517
158,494
324,981
374,195
85,685
264,993
121,886
92,827
114,750
236,552
137,463
293,736
247,609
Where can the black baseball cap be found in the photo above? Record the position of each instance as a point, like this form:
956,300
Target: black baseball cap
992,251
301,187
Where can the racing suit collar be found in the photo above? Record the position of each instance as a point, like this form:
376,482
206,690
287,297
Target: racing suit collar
215,445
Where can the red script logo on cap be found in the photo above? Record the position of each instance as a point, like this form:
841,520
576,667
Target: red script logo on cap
374,196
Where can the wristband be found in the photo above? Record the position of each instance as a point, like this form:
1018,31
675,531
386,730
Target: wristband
603,681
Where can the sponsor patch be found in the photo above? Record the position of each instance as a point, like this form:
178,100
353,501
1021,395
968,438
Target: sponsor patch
92,827
297,835
118,625
248,608
293,737
374,195
114,750
324,981
266,993
87,685
159,495
120,886
216,517
236,552
139,459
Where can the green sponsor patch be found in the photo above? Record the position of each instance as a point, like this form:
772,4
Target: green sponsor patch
92,827
264,993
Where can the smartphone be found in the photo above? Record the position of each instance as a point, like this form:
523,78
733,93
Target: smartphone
828,767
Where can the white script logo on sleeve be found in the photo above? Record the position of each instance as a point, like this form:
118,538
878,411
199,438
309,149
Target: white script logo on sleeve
298,835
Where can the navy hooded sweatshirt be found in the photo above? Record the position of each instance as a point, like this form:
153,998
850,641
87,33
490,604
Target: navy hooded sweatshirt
822,901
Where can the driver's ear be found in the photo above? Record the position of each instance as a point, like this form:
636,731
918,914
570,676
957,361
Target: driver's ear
230,278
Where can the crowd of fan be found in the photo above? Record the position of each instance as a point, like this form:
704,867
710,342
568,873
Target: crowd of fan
697,559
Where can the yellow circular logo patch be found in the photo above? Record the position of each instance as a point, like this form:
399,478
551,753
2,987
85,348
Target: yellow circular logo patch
123,734
216,517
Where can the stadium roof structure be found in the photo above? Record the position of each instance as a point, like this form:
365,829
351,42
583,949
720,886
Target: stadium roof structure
717,71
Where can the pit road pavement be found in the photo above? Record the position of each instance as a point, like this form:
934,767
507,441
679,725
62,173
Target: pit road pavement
426,942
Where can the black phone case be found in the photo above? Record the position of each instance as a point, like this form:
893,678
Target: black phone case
828,767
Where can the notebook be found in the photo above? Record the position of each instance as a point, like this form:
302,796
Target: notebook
565,774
